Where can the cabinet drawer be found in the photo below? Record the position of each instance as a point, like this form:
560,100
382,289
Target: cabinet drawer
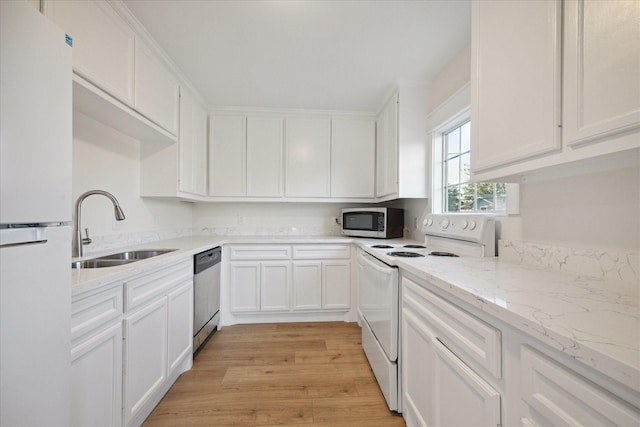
259,252
148,286
559,396
321,252
95,310
468,337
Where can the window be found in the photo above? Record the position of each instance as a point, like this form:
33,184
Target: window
459,194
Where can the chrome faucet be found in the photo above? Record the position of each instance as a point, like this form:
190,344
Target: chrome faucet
78,241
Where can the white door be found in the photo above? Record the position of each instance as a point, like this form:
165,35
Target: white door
515,85
275,286
180,318
307,285
193,146
103,44
353,158
145,356
227,155
308,157
601,94
336,284
96,380
378,295
35,118
244,279
264,156
157,91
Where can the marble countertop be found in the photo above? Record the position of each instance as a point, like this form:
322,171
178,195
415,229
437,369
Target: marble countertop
594,320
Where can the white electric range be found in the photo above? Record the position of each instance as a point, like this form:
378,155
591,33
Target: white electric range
449,235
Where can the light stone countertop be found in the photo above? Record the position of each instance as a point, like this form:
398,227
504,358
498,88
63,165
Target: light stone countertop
593,320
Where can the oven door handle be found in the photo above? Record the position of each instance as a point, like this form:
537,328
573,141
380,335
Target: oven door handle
369,260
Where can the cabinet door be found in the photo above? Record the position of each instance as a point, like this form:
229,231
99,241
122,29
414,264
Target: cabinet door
227,155
387,149
353,161
275,285
145,355
601,67
308,154
103,44
180,319
264,156
193,146
157,90
515,83
336,284
245,286
307,285
96,379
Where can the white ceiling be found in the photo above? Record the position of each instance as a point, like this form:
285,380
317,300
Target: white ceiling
332,55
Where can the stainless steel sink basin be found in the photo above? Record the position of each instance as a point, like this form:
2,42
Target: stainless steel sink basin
137,255
119,258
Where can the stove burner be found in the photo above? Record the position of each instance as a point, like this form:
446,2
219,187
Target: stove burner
415,246
443,254
403,254
382,247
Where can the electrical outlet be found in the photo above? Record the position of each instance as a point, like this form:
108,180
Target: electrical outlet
415,222
240,219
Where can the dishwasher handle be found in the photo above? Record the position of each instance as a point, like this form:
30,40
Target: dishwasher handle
206,259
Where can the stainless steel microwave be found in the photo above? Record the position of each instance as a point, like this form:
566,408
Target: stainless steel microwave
380,223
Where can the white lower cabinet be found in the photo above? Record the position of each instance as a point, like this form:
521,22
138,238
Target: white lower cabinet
96,357
157,336
439,388
285,278
555,395
146,342
96,379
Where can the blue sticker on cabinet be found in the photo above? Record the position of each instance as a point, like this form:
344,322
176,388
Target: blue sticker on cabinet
68,39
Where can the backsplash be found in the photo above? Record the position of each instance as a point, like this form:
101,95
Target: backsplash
583,262
114,241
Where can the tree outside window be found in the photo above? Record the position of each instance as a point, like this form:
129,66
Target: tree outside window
460,194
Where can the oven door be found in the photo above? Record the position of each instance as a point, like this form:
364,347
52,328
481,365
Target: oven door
378,293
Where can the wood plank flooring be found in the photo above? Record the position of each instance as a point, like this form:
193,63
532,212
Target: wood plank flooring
298,374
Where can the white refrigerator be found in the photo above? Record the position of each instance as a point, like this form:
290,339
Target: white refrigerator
35,214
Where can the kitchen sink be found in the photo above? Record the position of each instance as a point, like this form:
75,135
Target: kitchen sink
120,258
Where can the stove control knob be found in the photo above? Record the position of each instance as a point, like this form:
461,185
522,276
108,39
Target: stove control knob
444,223
472,225
464,224
428,222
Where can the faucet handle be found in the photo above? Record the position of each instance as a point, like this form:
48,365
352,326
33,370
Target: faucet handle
86,240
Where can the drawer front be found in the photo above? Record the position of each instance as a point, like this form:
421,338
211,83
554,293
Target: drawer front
559,396
95,310
470,338
259,252
144,288
321,252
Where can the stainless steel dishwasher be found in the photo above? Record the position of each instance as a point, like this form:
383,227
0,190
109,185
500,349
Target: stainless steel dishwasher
206,294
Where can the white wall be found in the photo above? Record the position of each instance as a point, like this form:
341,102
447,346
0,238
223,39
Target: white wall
262,218
600,210
455,75
106,159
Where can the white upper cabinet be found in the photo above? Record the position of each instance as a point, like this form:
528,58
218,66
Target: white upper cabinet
601,70
227,154
353,147
308,157
193,146
157,91
103,44
402,159
264,156
525,117
387,153
515,83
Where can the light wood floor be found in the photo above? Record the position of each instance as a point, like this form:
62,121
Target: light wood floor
278,374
